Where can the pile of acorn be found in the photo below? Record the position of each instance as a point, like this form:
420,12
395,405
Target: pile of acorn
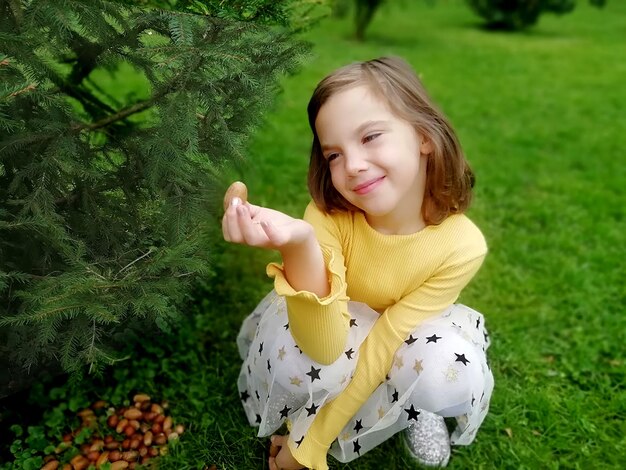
132,436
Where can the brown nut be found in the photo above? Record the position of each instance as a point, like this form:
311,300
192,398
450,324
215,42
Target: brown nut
121,425
52,465
99,404
129,430
98,445
104,458
113,445
140,397
85,412
93,455
79,462
237,189
112,421
115,455
167,424
133,413
147,439
156,408
130,455
179,429
119,465
172,436
160,439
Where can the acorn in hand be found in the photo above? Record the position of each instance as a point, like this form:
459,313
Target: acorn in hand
237,189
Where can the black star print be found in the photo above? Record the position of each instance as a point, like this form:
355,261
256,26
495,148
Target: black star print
312,410
286,325
300,441
357,447
461,358
260,348
358,425
486,336
411,340
394,396
353,322
314,374
269,366
456,326
256,392
386,378
473,399
349,353
432,339
249,371
482,396
258,418
285,412
477,323
298,348
413,413
244,395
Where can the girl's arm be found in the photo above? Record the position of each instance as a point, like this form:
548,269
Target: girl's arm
376,356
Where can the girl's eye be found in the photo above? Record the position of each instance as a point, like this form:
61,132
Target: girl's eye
369,138
331,157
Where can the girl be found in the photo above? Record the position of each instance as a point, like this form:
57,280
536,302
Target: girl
360,337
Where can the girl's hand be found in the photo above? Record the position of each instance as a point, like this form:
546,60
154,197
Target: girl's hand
261,227
284,460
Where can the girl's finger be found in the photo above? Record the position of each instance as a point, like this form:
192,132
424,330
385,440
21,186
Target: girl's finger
276,238
232,222
225,228
272,464
249,230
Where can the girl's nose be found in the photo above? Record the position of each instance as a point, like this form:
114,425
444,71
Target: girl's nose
355,162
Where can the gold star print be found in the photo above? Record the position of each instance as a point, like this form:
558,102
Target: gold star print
452,375
345,436
295,381
281,353
398,362
418,366
381,412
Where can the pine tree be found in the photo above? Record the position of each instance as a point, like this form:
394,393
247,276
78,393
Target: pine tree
106,194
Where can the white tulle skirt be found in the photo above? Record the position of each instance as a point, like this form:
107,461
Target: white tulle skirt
441,368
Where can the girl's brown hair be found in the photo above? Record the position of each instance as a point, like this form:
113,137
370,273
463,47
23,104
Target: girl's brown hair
449,179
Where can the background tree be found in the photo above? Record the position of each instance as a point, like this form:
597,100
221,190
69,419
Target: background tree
106,189
519,14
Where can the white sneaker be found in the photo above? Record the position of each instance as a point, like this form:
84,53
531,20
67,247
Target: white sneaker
428,440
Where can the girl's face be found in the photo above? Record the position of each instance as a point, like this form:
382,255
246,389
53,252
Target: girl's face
377,160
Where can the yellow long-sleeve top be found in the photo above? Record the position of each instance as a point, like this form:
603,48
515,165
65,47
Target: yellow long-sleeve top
405,278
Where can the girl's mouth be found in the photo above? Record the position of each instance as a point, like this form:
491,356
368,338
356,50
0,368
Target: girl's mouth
368,186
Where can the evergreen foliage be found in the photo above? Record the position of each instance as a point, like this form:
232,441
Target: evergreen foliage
106,195
519,14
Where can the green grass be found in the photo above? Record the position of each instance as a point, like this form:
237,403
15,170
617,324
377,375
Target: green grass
540,115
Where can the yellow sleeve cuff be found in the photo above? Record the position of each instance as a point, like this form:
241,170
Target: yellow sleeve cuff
309,453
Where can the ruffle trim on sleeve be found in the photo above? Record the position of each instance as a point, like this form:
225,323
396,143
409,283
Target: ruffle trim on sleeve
283,288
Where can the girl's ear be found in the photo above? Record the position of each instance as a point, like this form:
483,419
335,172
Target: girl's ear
426,145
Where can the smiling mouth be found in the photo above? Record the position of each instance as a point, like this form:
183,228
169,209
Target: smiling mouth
367,186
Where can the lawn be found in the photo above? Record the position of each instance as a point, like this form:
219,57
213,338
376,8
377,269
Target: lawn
540,116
